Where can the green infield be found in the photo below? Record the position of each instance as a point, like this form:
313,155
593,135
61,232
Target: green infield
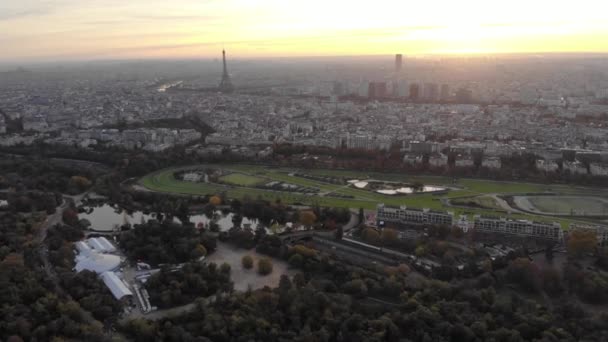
241,179
238,185
485,201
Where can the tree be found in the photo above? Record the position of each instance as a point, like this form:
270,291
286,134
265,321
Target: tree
264,266
296,260
552,282
80,182
70,216
389,236
371,236
339,233
525,273
247,261
307,218
581,242
225,268
215,200
198,252
284,284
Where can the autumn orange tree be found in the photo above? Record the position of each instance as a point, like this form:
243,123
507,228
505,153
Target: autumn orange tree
370,235
389,236
307,218
215,200
581,242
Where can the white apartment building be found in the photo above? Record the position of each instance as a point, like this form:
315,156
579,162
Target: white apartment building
598,169
546,165
407,215
501,225
574,167
491,163
438,160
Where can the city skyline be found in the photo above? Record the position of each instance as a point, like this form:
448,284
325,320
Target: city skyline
70,30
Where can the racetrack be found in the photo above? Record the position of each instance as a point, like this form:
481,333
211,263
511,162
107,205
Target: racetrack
345,196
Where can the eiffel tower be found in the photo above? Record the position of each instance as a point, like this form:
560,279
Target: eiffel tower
226,85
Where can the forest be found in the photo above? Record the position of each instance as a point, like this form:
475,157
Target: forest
165,242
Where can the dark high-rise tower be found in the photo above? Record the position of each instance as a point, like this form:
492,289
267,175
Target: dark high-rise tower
398,62
226,85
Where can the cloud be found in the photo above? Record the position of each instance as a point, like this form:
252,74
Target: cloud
176,17
12,15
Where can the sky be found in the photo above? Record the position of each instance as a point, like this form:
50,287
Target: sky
53,30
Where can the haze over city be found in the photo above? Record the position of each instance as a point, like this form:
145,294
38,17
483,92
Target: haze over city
43,30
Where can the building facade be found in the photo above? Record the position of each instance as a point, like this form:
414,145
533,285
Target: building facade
405,215
525,228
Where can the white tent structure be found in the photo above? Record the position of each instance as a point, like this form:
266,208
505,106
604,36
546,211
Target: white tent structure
83,248
116,286
96,262
108,246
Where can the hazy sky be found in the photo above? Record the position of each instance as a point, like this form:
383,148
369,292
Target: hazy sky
100,29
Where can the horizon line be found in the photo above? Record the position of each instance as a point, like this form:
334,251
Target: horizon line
473,54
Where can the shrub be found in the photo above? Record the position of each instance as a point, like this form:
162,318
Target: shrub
296,260
264,266
303,251
247,262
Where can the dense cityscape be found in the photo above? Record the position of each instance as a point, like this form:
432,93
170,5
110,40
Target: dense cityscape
303,171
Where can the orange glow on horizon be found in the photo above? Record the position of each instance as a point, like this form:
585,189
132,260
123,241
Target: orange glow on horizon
71,29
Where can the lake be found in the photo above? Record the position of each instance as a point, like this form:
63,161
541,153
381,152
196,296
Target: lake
106,218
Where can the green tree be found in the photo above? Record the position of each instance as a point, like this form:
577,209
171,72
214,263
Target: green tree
264,266
247,261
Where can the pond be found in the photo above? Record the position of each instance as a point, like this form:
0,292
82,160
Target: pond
106,218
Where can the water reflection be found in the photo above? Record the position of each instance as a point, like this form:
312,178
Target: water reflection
106,218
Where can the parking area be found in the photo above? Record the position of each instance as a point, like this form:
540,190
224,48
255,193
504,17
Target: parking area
243,278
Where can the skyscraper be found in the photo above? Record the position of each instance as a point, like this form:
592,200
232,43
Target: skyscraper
377,90
226,85
414,92
398,62
430,92
445,92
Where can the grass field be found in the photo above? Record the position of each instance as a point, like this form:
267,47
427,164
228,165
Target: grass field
482,201
247,175
241,179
